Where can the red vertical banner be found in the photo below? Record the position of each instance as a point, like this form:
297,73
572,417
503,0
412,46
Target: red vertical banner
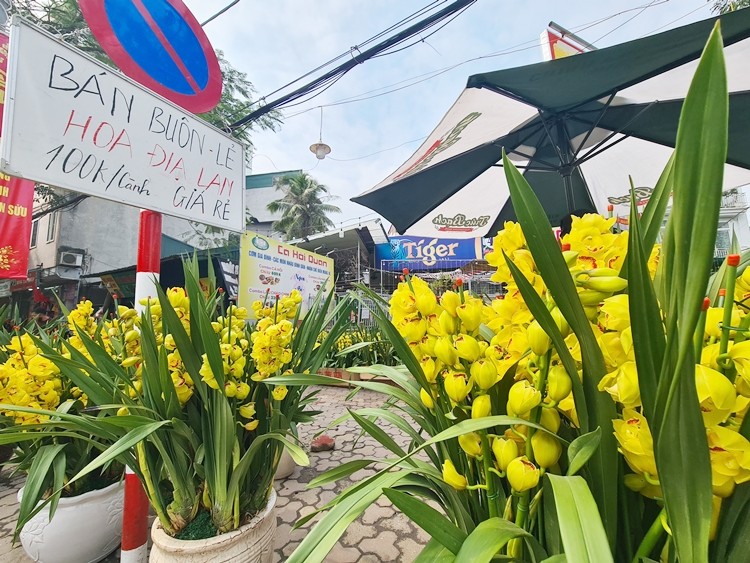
4,41
16,202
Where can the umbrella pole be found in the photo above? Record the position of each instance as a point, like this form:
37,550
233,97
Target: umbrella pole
567,176
566,170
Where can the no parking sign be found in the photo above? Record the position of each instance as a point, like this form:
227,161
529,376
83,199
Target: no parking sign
161,45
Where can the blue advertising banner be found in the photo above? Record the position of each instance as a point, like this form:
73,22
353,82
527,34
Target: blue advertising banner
426,253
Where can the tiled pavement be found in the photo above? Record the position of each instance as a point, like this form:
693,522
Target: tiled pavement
381,534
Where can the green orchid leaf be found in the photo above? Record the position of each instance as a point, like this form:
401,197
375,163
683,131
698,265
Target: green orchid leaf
581,449
378,434
732,541
545,320
554,271
435,552
645,317
677,425
340,472
430,520
487,539
581,530
38,480
321,539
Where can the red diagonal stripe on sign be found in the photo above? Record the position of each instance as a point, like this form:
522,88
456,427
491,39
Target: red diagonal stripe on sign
166,44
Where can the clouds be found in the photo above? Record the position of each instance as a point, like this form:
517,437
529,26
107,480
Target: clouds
276,42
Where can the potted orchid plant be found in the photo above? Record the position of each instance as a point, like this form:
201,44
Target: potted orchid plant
33,392
185,385
596,413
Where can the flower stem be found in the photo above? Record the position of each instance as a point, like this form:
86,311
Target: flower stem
492,493
148,481
726,323
522,511
700,331
653,535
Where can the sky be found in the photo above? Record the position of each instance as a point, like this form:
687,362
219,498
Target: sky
276,42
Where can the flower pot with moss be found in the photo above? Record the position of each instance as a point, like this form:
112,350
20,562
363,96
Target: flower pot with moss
250,543
199,401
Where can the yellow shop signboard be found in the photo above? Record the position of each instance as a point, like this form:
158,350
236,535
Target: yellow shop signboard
269,267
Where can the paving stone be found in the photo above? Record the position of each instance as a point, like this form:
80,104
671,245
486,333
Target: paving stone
289,514
383,545
399,524
341,554
356,532
375,513
409,549
383,501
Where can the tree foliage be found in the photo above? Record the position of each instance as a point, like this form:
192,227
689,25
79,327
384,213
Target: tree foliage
303,207
724,6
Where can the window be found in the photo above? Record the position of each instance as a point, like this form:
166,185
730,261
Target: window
34,232
51,226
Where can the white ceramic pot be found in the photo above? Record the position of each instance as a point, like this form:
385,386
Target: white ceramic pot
84,529
286,465
251,543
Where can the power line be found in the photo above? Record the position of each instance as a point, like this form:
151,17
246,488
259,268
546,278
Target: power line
339,71
520,47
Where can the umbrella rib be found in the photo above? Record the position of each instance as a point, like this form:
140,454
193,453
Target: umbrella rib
597,149
595,125
601,149
527,167
549,135
532,130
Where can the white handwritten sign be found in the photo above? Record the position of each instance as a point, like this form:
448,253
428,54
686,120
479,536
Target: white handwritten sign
75,123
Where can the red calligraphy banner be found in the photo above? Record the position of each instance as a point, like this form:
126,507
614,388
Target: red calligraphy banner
16,202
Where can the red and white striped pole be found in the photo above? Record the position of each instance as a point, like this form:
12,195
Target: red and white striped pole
134,547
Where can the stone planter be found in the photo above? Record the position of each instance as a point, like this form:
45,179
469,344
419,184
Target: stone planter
84,529
251,543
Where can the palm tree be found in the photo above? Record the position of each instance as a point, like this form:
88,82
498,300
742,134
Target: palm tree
303,207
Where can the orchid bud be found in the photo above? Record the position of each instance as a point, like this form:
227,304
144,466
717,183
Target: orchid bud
467,347
522,397
453,477
504,451
547,449
481,407
522,474
539,342
456,386
471,444
559,383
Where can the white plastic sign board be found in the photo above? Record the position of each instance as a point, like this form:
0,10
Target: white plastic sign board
72,122
269,267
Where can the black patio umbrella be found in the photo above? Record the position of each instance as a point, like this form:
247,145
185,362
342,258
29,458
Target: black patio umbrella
578,127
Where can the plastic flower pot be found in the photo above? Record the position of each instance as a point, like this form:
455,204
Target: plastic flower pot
286,466
85,528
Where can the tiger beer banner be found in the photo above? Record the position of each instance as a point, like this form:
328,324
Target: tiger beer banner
16,200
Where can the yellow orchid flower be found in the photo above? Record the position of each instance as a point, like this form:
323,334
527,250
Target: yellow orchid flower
522,474
716,395
453,477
